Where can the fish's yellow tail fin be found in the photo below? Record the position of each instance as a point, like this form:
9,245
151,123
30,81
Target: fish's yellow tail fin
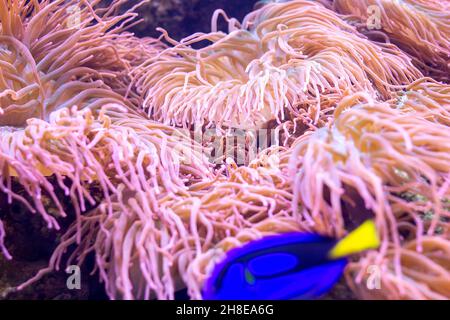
362,238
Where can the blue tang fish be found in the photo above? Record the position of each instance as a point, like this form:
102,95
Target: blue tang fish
288,266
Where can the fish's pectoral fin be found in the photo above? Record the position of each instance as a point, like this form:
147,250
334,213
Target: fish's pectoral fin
362,238
249,277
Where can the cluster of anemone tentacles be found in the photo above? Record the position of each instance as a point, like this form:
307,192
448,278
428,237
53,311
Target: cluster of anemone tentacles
362,131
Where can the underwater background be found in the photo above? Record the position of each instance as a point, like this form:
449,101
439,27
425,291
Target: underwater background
359,108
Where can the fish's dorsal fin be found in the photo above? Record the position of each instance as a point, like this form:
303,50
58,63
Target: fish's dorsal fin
362,238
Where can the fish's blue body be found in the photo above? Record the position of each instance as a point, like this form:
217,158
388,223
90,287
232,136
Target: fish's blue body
290,266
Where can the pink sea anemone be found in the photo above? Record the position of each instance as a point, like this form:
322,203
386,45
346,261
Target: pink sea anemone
281,56
86,105
153,244
424,276
378,160
419,27
50,70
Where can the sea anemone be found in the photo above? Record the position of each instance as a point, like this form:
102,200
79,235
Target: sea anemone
425,271
51,69
147,246
50,63
427,97
421,28
369,163
281,56
84,105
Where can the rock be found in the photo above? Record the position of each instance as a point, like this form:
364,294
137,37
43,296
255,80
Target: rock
182,18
